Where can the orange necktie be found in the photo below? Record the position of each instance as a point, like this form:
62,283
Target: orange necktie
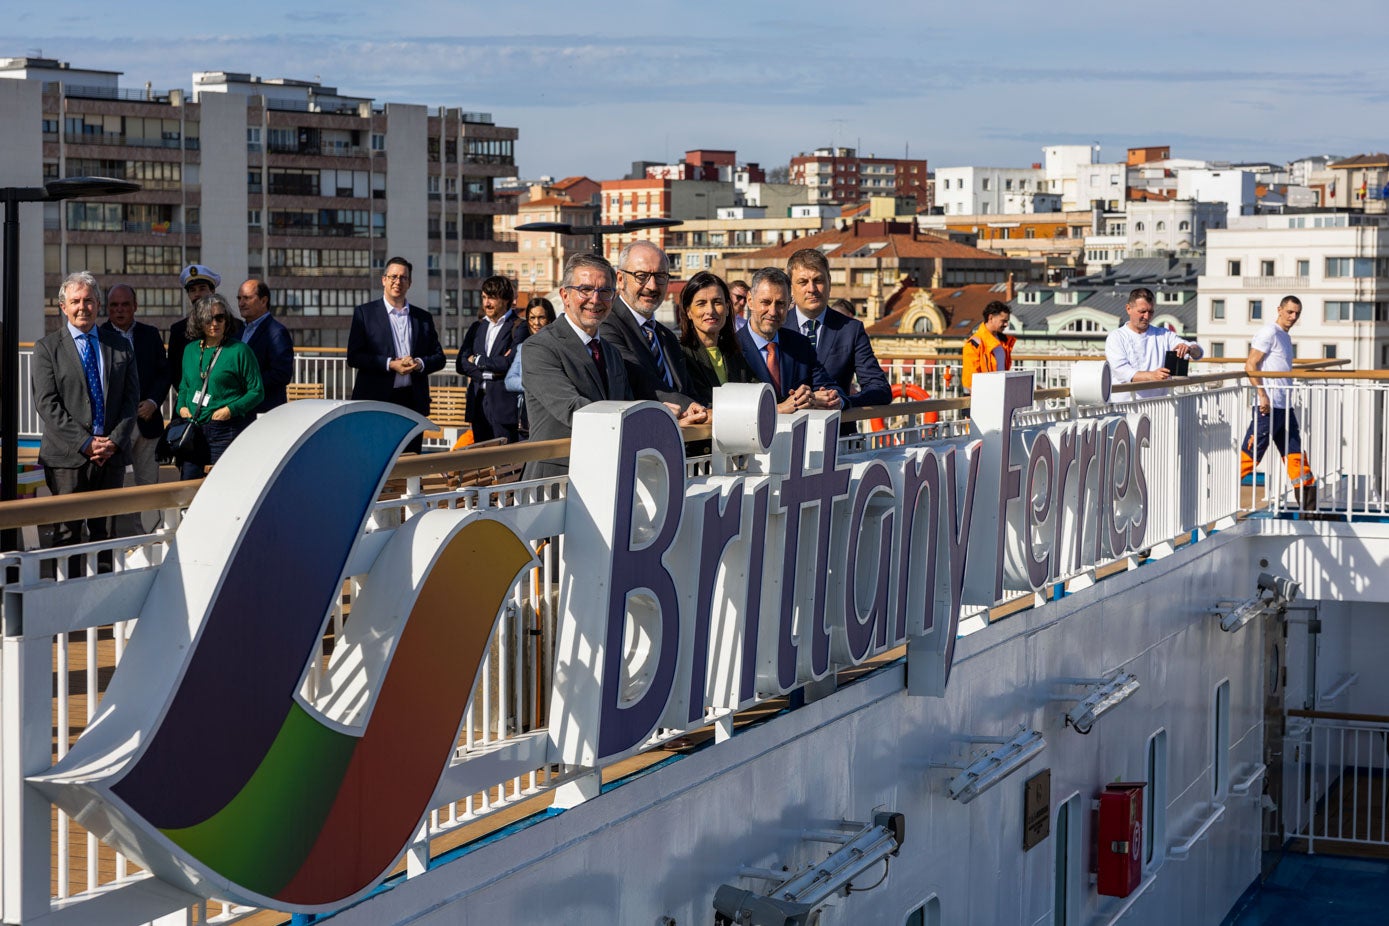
774,368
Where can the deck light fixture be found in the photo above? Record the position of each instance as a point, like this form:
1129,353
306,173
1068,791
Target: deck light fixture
1274,595
598,231
11,197
1104,694
989,769
799,894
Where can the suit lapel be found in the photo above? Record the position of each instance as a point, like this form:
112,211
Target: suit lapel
579,350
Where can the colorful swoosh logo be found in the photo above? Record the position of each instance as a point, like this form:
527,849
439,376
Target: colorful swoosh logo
214,770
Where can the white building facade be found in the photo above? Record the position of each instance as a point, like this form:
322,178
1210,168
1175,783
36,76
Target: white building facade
991,190
1337,264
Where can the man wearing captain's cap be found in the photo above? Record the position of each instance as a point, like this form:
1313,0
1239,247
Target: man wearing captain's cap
197,281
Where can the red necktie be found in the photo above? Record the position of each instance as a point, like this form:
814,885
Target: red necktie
597,351
774,368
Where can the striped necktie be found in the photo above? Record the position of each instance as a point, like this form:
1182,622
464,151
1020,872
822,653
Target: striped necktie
649,329
811,327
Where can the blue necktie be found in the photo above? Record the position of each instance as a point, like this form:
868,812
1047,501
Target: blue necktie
649,329
810,328
89,366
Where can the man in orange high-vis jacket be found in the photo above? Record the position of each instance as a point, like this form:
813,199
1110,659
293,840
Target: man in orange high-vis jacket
988,350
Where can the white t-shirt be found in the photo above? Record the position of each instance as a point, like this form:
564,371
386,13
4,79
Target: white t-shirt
1129,352
1277,347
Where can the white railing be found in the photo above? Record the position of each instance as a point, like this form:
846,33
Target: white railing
1343,426
54,663
1342,783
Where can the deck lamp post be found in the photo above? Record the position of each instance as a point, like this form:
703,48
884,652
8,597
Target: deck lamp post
598,231
52,191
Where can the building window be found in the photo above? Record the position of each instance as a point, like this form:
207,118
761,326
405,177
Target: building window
1220,742
1266,268
1138,226
1304,268
985,183
1232,268
1067,888
1328,351
1217,348
1184,225
253,139
378,141
1350,311
1256,310
1155,801
928,914
1162,226
1350,267
253,218
1218,309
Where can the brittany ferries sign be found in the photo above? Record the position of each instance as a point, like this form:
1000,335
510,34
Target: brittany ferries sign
682,600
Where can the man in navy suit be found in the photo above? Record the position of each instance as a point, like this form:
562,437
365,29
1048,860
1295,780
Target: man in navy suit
153,367
86,390
780,356
393,347
269,340
488,350
840,342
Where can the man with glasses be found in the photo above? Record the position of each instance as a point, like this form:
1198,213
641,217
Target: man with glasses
567,364
738,291
269,340
651,351
393,347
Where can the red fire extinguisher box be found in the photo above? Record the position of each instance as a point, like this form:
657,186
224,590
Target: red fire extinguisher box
1119,838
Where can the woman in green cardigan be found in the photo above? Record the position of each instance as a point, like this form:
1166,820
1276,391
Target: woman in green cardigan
221,383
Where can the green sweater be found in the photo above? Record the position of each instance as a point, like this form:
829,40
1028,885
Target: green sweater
234,382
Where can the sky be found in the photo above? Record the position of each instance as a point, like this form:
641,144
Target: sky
593,87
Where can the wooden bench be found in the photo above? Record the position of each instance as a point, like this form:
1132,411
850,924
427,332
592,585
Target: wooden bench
297,391
448,411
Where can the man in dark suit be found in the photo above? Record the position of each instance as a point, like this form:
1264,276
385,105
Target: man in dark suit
198,281
153,368
779,355
651,351
840,342
86,390
567,364
393,347
487,353
269,340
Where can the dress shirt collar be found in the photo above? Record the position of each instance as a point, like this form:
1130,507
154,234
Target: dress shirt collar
584,336
252,326
395,309
802,318
78,333
637,317
760,341
506,316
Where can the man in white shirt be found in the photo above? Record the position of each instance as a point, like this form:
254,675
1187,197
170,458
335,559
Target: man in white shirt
1271,351
488,350
1136,352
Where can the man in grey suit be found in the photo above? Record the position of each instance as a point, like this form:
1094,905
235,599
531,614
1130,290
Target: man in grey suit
567,364
651,351
86,390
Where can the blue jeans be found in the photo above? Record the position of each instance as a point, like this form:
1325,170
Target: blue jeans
219,435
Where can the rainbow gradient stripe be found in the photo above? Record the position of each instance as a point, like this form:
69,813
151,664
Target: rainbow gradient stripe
238,787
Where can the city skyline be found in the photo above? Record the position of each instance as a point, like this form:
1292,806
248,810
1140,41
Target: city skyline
960,86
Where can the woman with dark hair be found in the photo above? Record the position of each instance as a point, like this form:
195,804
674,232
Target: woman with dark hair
539,313
711,349
221,384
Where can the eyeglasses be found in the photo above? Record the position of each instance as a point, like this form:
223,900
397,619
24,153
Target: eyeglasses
604,294
642,277
397,278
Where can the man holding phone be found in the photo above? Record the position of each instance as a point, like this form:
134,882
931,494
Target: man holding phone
1137,352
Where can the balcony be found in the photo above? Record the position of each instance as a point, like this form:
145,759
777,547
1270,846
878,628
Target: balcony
100,138
1274,282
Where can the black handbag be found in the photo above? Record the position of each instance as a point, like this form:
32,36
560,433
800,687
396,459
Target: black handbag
183,442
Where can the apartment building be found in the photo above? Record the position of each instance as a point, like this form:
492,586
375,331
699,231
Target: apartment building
707,244
290,181
537,264
840,175
1336,263
659,198
993,191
